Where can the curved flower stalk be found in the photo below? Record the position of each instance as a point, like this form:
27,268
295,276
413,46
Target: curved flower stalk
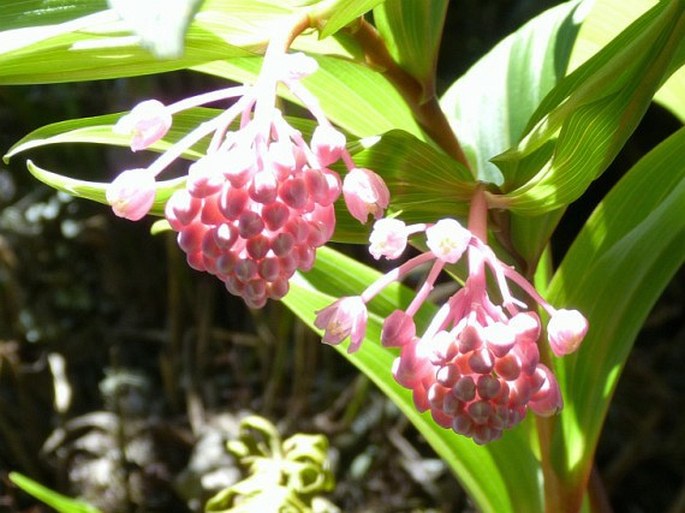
259,203
476,366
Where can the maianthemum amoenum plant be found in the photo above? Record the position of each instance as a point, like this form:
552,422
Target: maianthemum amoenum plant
509,378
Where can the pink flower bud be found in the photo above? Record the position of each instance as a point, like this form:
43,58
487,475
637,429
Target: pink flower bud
147,122
346,317
132,194
398,329
566,330
448,240
412,366
547,400
327,144
388,238
365,193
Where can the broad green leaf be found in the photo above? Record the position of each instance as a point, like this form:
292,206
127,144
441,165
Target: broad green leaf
354,97
490,105
614,272
335,14
425,184
606,20
160,24
55,500
19,14
85,41
501,477
587,118
95,191
412,31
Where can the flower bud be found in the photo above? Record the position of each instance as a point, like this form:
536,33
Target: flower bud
147,122
132,194
547,400
327,144
566,330
365,193
398,329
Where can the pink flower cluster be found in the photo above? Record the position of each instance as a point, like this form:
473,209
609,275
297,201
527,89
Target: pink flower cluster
258,204
476,366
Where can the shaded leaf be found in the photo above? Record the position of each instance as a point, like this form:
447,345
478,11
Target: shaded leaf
412,31
425,184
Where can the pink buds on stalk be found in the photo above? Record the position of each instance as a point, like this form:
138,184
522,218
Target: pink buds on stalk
476,366
260,202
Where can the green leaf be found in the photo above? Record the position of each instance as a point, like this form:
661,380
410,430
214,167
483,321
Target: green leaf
490,105
412,31
95,191
99,130
91,42
26,13
336,14
587,118
160,24
614,272
55,500
500,477
425,184
606,20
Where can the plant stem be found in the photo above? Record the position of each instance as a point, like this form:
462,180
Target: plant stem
426,112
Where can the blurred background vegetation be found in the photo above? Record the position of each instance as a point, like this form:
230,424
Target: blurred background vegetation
123,372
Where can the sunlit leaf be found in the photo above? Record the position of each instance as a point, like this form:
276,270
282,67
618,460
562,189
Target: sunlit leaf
84,40
586,119
614,272
490,105
604,22
99,130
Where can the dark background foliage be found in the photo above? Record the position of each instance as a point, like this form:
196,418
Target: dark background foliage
122,372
